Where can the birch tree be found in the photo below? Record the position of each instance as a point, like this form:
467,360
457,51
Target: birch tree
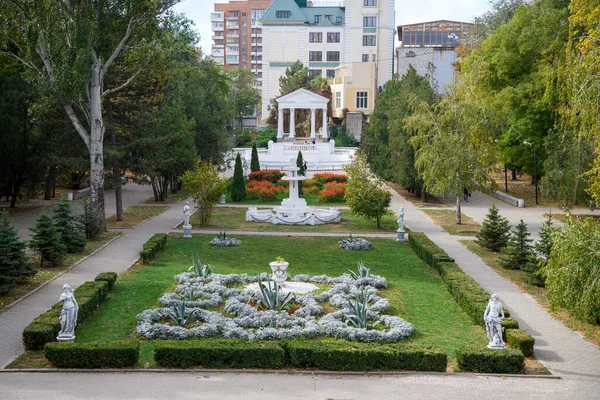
69,47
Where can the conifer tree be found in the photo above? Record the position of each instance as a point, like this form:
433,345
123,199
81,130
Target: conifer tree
238,186
494,233
46,241
91,223
544,246
254,163
520,250
68,227
14,262
301,171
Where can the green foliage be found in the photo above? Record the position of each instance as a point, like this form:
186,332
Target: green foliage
114,354
179,315
272,297
206,187
238,186
358,312
544,245
201,271
342,137
219,353
363,272
366,195
46,241
244,96
263,139
510,323
109,277
14,262
254,162
301,171
573,269
520,250
153,247
92,225
68,227
494,233
520,340
488,361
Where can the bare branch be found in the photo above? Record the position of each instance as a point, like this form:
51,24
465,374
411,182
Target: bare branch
119,47
77,124
27,64
41,50
124,85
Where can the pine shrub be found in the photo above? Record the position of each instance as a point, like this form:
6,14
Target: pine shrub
46,241
69,228
14,262
91,222
254,163
238,186
301,171
494,233
520,250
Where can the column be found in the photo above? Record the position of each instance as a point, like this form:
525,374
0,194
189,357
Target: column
292,124
325,135
280,123
312,123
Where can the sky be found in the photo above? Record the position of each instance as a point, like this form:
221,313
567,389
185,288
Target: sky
407,12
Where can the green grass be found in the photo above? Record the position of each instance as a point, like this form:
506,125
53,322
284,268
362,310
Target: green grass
415,291
447,220
135,215
173,198
234,219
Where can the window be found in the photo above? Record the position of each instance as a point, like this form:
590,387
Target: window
244,23
317,19
369,40
361,99
236,13
315,56
333,56
365,58
243,14
244,57
314,73
374,57
328,17
369,21
243,41
244,50
283,14
244,32
338,99
315,37
370,2
330,73
333,37
338,20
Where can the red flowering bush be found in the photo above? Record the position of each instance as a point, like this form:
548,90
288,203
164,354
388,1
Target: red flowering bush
263,190
333,185
271,175
325,177
312,186
332,194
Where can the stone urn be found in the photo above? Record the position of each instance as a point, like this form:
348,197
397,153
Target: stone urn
279,271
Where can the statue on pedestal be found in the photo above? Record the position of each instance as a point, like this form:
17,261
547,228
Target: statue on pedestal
401,219
68,315
493,316
187,228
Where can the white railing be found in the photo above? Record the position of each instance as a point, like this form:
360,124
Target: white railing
300,147
344,151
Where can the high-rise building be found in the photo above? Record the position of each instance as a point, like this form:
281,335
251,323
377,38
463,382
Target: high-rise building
237,35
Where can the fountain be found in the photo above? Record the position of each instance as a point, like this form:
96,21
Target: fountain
294,210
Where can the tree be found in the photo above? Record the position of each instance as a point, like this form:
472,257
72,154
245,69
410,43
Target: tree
46,241
238,185
91,222
520,250
69,228
254,162
366,195
494,232
500,13
14,262
544,246
69,48
244,97
301,171
206,187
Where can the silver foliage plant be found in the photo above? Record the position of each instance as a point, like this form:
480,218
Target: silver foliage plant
356,244
246,322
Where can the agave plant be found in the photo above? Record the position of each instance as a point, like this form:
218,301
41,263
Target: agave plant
363,272
201,271
358,312
351,238
178,314
272,296
189,294
222,236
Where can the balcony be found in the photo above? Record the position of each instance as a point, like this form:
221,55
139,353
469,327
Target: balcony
232,18
218,36
233,25
340,81
216,17
231,35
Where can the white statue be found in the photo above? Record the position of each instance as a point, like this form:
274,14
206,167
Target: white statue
401,219
493,317
68,315
186,214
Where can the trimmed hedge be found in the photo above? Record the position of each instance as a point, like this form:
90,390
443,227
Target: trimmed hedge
153,247
110,277
219,353
363,356
45,328
427,250
520,339
484,360
116,354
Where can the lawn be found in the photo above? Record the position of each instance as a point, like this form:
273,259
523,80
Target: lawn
522,280
447,220
133,216
173,198
234,219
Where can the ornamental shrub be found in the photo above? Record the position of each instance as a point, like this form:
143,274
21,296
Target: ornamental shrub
153,247
115,354
520,250
206,187
47,242
301,171
325,177
263,190
332,194
254,163
488,361
238,186
15,265
271,175
520,340
110,277
69,227
91,222
494,233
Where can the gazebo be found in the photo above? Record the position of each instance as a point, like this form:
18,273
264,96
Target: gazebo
301,99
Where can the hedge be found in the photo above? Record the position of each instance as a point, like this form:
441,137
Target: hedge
363,356
153,247
271,175
520,339
116,354
219,353
110,277
46,327
484,360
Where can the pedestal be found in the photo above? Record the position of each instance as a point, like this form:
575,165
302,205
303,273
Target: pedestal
187,231
496,346
66,338
400,236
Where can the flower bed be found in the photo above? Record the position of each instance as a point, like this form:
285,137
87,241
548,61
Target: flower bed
333,191
271,175
358,244
325,177
263,190
243,320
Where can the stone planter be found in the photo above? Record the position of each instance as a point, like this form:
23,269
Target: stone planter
279,271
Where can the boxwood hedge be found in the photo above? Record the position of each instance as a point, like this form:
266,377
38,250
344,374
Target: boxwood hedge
115,354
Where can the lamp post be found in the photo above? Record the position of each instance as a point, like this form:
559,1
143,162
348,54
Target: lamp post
534,170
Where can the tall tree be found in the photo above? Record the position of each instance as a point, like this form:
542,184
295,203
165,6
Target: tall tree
69,47
14,261
244,97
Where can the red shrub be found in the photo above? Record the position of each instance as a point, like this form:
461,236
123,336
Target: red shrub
271,175
333,194
333,185
262,190
329,177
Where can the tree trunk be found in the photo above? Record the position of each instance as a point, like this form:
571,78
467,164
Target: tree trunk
15,193
115,161
49,186
378,222
458,211
95,146
513,173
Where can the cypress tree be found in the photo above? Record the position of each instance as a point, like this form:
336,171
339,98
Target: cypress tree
520,250
46,241
68,227
14,262
544,246
494,233
301,171
254,164
238,186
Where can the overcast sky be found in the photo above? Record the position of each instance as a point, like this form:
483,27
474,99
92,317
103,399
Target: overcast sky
407,12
